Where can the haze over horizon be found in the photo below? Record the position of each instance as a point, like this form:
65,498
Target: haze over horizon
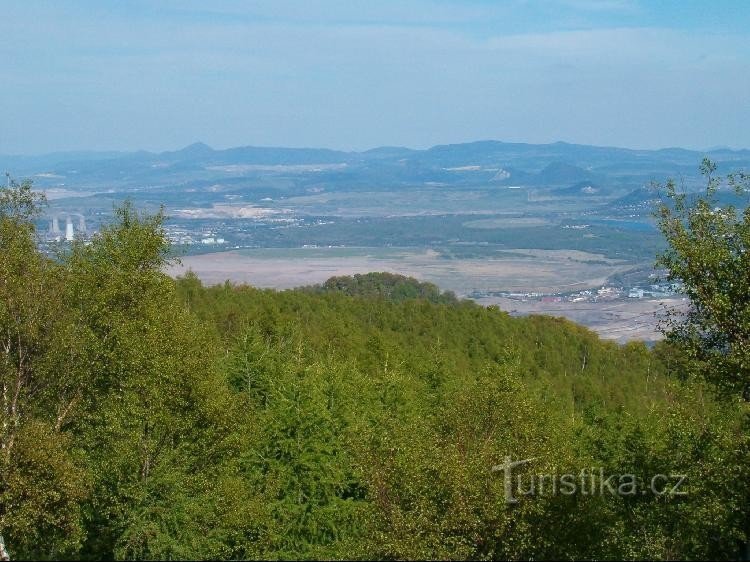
353,76
389,145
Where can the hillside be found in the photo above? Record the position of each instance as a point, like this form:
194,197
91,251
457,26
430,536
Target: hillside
388,286
542,165
368,418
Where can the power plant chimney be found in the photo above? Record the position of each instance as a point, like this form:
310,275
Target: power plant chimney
69,236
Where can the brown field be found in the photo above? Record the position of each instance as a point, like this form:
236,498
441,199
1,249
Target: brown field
621,320
544,271
520,270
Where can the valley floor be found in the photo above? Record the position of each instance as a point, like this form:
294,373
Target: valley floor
533,272
622,320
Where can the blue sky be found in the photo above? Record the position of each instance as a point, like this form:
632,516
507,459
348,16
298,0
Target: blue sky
353,74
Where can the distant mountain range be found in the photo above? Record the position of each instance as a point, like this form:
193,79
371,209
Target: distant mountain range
558,165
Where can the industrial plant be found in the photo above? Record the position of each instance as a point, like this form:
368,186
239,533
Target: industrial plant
70,233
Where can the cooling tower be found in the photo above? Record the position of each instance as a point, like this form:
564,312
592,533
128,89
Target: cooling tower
69,236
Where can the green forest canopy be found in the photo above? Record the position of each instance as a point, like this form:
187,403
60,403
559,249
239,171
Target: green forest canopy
150,418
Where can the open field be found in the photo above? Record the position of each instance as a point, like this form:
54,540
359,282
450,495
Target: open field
544,271
507,222
621,320
517,270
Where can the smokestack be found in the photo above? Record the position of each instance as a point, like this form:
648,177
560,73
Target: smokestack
55,225
69,236
82,224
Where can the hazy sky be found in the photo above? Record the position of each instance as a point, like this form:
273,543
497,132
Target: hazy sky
357,74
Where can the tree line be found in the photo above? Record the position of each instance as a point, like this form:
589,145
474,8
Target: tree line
143,417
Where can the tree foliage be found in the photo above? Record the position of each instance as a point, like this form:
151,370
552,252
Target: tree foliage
143,417
389,286
708,252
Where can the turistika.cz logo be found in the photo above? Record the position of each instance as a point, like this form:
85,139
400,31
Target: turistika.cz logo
588,482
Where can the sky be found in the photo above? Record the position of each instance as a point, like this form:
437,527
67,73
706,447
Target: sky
353,75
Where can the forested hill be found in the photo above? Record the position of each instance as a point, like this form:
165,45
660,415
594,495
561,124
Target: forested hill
450,339
389,286
151,418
